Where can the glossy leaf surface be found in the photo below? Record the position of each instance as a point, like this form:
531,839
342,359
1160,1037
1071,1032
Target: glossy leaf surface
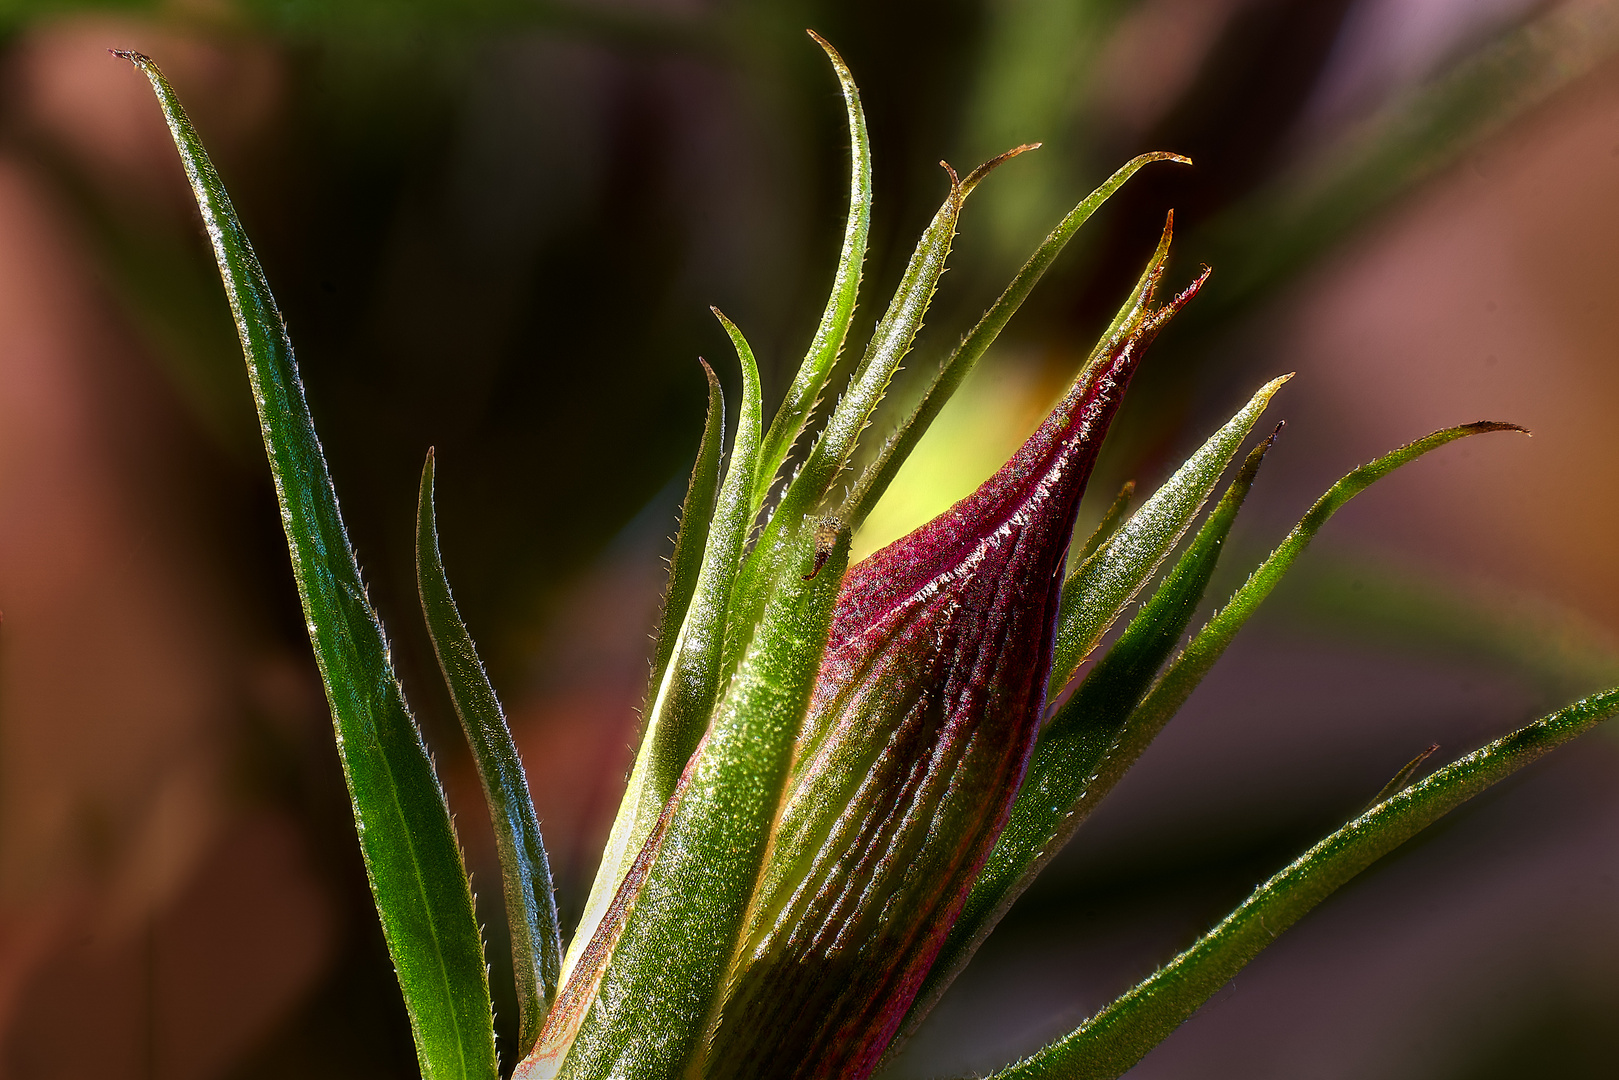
1099,587
925,708
876,478
525,871
685,694
1111,1042
829,455
409,845
644,991
696,513
834,326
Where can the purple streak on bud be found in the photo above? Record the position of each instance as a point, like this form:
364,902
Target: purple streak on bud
924,713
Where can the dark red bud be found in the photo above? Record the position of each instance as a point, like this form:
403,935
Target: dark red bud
924,713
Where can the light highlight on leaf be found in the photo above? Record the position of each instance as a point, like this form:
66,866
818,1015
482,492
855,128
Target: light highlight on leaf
1112,1041
531,909
411,856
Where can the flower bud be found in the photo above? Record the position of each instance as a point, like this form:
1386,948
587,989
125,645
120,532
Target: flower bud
924,712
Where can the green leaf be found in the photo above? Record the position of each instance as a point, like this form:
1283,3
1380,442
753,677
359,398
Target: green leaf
1112,518
531,909
1561,652
411,856
880,473
1263,242
644,994
1176,684
686,691
890,342
1060,789
830,455
1402,779
1099,587
829,335
1120,1035
696,512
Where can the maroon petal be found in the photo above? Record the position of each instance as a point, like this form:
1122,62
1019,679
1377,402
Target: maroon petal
926,707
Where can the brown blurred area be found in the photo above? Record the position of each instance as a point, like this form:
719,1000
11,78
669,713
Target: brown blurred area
503,246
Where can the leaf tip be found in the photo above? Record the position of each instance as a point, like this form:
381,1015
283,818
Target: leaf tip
1479,427
978,174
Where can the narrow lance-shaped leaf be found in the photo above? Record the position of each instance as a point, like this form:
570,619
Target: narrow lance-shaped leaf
531,909
1182,676
1099,588
834,326
1403,778
1060,789
924,711
880,473
639,996
684,698
691,538
1111,1042
890,342
408,843
1112,518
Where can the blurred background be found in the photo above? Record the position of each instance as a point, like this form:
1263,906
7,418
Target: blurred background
495,228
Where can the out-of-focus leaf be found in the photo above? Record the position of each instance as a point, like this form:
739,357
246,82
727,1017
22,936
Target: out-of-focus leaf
646,991
1112,1041
1059,789
685,693
1561,651
829,335
1264,241
1037,67
880,472
531,909
411,856
1099,587
927,703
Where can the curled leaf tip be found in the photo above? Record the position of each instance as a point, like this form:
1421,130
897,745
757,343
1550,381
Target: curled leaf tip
1479,426
991,165
131,55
